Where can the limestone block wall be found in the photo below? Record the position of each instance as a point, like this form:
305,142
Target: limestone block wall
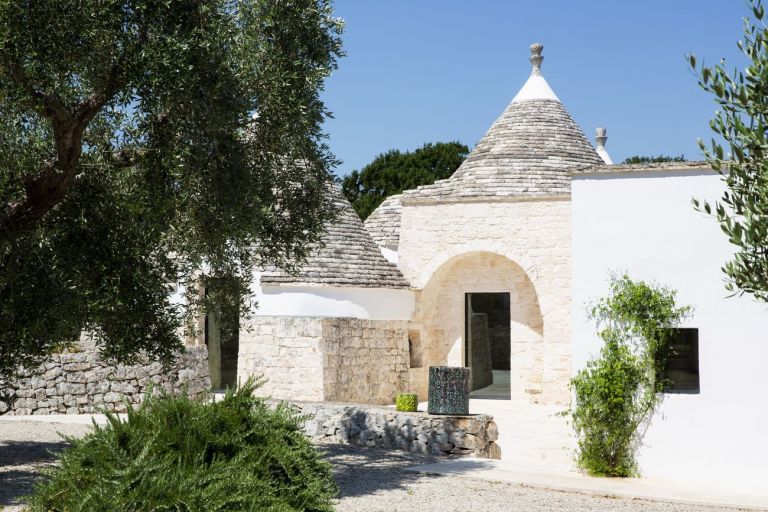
364,361
83,383
326,359
287,352
415,432
510,245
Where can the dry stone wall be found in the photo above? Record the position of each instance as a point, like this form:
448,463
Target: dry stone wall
415,432
326,359
82,383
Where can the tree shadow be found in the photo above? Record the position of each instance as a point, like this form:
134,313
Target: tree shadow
361,471
20,465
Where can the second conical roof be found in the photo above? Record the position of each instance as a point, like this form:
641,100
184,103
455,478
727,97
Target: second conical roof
346,257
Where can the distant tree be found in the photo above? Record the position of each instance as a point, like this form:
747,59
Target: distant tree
131,159
742,122
653,159
395,171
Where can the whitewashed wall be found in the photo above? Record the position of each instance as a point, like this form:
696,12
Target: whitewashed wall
363,303
643,223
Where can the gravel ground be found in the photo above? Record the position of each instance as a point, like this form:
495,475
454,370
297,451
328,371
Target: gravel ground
370,480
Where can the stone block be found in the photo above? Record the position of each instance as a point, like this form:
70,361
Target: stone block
77,377
112,397
51,374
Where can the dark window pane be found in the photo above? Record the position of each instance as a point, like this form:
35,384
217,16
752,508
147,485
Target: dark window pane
681,371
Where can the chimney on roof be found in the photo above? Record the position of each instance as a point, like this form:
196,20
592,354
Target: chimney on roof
600,138
536,58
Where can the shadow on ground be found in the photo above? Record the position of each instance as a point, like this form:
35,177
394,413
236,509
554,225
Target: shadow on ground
366,471
20,465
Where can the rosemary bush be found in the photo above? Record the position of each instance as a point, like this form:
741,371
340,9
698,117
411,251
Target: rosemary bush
180,454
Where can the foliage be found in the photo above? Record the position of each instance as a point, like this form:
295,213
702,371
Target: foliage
146,143
406,402
617,393
653,159
393,172
175,453
742,121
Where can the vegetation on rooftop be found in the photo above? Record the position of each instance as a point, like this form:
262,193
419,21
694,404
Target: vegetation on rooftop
652,159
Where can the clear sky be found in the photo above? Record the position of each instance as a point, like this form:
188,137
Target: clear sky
421,71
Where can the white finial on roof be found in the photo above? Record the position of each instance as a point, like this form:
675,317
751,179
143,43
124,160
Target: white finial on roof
536,88
600,138
536,58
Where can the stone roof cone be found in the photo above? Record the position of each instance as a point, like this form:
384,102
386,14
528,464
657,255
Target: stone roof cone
347,257
529,150
384,223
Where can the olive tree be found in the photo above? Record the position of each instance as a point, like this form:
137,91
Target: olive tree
741,122
145,143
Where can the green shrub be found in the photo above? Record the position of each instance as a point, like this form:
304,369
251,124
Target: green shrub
406,402
180,454
605,412
617,393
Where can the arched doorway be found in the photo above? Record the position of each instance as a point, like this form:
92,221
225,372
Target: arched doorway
477,310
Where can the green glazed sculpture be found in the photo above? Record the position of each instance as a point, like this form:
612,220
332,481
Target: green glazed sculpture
448,390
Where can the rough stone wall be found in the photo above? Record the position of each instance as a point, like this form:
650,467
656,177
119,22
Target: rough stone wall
415,432
523,247
82,383
364,361
326,359
286,351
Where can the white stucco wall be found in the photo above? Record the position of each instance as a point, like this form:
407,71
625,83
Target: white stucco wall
644,224
339,302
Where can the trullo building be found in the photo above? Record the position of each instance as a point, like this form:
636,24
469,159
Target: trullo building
492,269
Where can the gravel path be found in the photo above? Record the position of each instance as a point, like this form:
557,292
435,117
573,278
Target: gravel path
370,480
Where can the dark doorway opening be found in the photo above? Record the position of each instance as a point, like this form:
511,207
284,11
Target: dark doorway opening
487,343
222,337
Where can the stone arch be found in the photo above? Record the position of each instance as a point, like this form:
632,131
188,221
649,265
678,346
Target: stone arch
440,317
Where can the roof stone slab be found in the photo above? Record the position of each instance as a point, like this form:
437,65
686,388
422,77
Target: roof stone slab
347,257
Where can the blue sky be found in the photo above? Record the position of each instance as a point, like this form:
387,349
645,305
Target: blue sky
421,71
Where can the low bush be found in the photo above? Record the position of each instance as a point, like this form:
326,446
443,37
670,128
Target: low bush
406,402
606,413
181,454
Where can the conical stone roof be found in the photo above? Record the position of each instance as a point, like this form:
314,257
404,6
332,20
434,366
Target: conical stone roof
346,257
529,151
384,223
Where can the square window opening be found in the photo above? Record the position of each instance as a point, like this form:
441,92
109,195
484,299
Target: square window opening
680,371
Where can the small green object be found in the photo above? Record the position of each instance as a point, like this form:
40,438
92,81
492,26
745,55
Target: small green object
406,402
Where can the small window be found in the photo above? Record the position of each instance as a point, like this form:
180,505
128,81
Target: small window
681,371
